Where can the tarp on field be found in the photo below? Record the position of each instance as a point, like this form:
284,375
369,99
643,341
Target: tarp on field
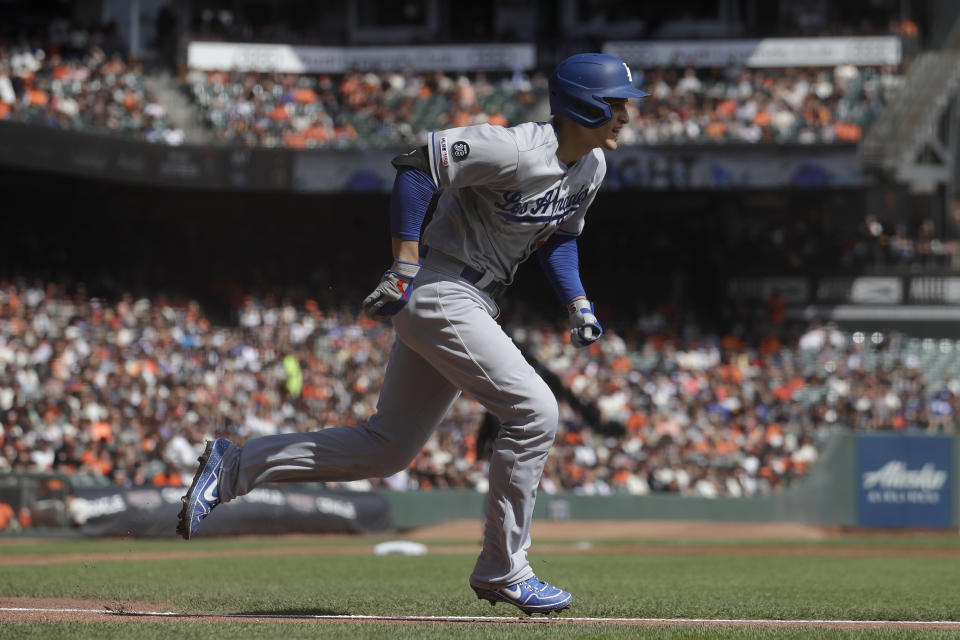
151,512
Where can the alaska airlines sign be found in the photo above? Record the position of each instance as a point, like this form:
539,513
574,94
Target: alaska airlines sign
905,481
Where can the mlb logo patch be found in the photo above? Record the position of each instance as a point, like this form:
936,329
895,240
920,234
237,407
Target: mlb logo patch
460,150
443,152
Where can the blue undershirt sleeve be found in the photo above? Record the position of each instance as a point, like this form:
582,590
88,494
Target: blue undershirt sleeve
412,192
560,261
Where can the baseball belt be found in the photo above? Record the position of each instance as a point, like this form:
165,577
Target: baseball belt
484,281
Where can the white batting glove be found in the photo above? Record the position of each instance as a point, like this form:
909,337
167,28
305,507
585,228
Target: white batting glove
393,292
584,327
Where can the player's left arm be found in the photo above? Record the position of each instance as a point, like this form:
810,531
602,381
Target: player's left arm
560,260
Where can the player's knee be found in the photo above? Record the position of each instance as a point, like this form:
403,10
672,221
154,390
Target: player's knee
397,462
551,416
543,414
386,452
380,464
392,458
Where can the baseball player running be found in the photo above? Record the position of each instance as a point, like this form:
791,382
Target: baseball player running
505,193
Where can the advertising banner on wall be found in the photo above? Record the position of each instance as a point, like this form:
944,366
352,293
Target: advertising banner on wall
732,166
152,512
285,58
904,481
765,52
628,168
935,289
118,159
861,290
113,158
343,172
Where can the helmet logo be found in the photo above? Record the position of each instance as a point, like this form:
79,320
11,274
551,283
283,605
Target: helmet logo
629,75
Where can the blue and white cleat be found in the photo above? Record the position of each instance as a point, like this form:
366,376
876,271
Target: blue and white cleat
530,596
204,493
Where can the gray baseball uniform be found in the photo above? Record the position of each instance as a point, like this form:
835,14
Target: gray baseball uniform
504,192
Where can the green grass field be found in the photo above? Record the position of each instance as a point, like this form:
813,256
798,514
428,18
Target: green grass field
308,581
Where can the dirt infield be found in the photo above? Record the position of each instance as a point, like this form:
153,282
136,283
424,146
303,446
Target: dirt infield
632,530
548,535
640,548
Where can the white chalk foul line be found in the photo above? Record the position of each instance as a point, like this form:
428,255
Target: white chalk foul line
487,619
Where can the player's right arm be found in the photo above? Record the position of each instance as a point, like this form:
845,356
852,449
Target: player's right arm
459,157
413,189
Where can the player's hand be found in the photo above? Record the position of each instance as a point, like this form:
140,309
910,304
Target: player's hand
584,327
393,292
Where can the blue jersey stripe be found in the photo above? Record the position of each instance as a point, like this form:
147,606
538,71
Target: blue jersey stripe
513,218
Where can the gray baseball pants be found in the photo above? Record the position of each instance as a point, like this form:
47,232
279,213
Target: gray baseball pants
447,341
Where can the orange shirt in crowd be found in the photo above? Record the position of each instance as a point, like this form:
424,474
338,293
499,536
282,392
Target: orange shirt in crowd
165,479
294,140
316,132
727,108
130,100
715,129
101,431
305,95
38,98
497,118
90,459
847,132
6,515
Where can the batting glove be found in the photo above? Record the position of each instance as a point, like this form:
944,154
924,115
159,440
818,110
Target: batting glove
393,292
584,327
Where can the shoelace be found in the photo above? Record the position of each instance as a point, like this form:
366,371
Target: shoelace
540,586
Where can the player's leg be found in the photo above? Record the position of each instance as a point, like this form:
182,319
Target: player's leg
450,324
413,400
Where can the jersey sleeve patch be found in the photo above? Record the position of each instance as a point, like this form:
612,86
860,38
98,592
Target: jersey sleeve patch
444,157
460,150
472,156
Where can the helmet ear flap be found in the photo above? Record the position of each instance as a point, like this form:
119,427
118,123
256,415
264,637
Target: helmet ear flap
594,112
587,113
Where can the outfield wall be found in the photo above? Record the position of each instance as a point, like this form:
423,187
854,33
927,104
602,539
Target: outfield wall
909,481
880,481
241,169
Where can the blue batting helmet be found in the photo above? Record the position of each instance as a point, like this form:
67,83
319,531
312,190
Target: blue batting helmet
580,83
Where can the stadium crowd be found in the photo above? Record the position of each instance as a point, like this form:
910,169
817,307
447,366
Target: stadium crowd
357,109
66,76
128,390
80,80
815,105
75,79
